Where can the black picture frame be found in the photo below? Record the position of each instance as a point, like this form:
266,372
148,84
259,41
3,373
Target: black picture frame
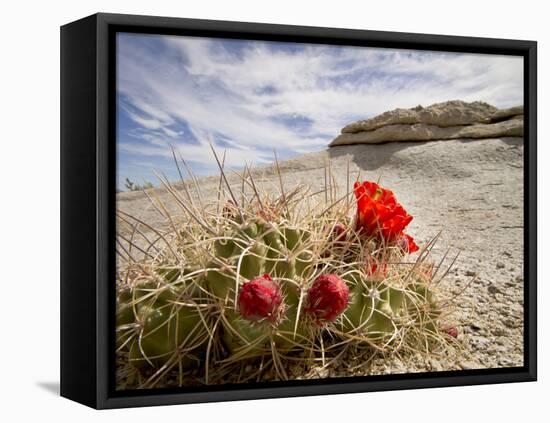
88,195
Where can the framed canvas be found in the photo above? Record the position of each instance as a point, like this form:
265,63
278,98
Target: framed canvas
258,211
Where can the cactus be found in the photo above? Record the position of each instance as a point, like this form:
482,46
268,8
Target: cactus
125,311
292,332
164,330
243,337
272,281
372,311
164,319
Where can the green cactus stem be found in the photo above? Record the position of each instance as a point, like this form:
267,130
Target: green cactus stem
164,329
244,338
289,335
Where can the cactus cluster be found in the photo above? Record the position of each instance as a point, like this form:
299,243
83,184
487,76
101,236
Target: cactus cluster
248,250
276,282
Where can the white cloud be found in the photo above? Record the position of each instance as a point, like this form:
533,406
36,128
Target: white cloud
251,92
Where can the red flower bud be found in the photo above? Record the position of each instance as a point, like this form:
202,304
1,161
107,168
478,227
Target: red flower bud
338,232
327,298
260,299
451,331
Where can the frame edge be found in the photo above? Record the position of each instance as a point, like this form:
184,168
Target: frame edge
102,398
78,202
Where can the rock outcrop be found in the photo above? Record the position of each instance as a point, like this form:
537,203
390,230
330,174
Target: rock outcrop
442,121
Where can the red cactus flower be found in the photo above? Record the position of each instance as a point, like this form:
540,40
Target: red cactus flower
260,299
380,215
327,298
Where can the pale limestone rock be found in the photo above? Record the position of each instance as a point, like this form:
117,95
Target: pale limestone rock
449,113
504,114
425,132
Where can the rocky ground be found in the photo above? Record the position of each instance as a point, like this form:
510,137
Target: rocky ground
471,190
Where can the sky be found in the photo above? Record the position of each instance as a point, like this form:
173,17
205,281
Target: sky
247,98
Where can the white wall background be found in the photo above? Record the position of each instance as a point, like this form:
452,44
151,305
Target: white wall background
29,209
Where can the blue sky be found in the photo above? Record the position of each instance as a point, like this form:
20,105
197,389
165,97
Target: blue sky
249,97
